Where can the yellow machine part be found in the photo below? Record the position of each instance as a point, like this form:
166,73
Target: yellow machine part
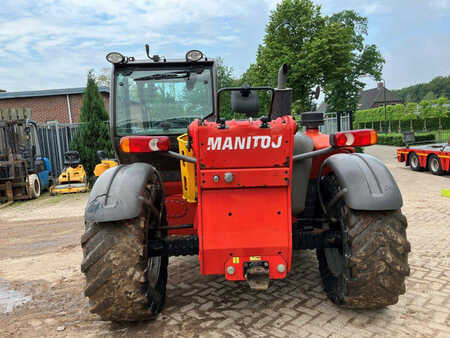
72,175
104,165
71,180
187,171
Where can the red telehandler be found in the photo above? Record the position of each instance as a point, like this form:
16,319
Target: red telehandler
240,194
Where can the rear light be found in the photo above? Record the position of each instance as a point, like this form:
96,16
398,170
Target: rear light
354,138
144,144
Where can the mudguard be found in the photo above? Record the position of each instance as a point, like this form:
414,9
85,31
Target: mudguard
369,183
301,171
115,195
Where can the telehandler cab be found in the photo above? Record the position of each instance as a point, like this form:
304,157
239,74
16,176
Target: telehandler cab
240,194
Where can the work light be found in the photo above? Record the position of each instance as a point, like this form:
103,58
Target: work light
115,57
194,55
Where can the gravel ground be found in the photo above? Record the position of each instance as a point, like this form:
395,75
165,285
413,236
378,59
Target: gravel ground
40,257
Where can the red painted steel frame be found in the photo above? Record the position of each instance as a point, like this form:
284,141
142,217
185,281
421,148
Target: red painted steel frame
422,154
248,218
179,212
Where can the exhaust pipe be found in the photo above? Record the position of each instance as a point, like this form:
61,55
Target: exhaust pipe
283,96
282,76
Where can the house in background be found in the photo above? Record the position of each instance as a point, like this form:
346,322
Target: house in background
371,98
62,105
375,97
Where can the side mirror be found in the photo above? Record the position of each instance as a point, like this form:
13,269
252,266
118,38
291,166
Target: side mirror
245,101
101,155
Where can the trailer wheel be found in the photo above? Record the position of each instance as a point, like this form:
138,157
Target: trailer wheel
35,185
122,284
369,270
434,165
414,162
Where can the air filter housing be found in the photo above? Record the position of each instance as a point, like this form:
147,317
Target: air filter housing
312,119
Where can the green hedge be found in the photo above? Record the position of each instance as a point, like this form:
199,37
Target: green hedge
396,139
417,125
426,109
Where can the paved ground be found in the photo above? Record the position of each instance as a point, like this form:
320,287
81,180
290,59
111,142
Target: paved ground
40,260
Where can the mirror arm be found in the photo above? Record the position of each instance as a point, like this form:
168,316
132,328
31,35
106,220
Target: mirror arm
221,90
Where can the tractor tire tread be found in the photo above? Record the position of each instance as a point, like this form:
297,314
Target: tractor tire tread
114,269
377,263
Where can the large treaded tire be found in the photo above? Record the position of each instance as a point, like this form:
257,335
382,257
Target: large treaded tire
434,165
122,283
115,271
373,262
35,186
414,162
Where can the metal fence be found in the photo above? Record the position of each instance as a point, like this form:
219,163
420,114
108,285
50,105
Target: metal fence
335,122
55,139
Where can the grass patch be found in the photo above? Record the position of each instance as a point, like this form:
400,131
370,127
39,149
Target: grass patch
46,198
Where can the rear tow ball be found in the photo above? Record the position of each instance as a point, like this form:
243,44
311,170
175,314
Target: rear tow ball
257,275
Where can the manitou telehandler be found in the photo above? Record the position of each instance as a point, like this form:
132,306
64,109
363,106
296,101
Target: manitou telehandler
241,194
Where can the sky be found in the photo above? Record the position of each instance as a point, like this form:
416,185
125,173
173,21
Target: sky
49,44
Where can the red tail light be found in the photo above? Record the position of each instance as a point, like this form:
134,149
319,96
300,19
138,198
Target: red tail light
354,138
144,144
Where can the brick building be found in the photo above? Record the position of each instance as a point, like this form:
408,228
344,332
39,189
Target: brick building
62,105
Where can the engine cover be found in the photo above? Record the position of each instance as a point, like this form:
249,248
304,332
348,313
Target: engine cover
244,174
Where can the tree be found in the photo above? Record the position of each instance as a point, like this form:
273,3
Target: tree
345,59
441,110
439,86
320,50
104,78
430,96
225,79
93,131
288,34
411,111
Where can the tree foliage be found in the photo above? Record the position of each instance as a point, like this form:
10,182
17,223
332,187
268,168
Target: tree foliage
321,50
225,79
104,78
93,131
438,87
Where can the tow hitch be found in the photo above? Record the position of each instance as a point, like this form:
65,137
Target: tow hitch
257,275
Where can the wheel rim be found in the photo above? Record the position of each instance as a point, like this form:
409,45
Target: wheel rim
153,263
414,161
335,260
36,186
434,164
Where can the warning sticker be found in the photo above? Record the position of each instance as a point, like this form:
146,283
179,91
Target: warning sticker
255,258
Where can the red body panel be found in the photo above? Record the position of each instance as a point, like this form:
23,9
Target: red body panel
250,216
179,212
444,156
243,145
